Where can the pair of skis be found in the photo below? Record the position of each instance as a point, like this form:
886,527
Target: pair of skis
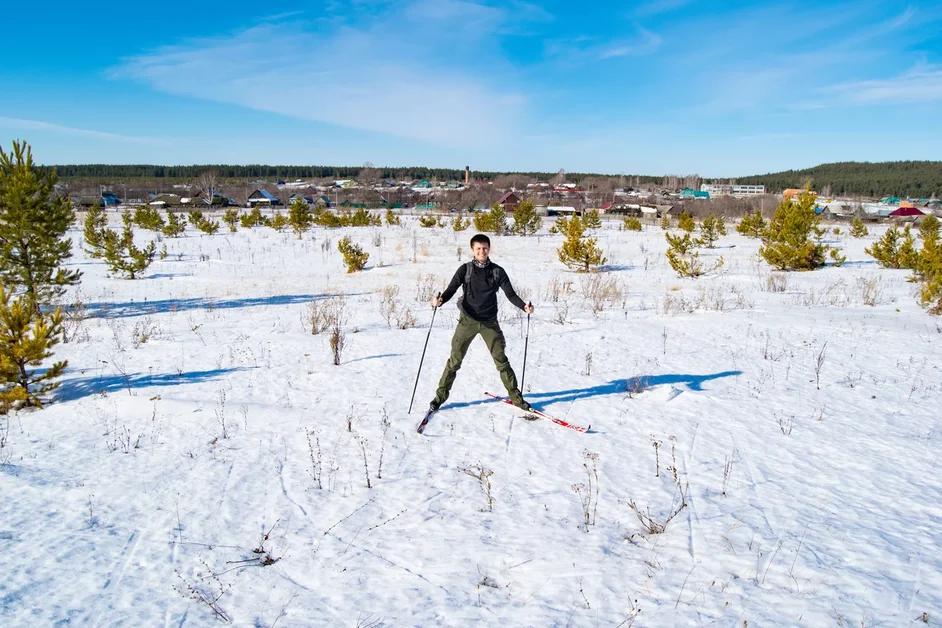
576,428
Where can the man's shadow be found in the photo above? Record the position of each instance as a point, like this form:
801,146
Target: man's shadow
634,385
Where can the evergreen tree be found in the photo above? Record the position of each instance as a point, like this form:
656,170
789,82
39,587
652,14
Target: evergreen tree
710,231
195,217
526,220
299,216
686,222
428,221
894,250
752,225
929,228
96,221
33,224
482,222
121,254
392,218
279,221
684,258
497,219
578,251
787,243
460,224
175,226
231,217
353,256
666,222
631,223
25,341
929,267
592,219
148,218
857,228
252,219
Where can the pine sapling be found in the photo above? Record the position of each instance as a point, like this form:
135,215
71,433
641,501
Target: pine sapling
122,255
26,340
94,225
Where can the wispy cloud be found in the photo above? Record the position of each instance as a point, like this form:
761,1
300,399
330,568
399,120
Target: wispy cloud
581,50
658,7
401,73
917,85
39,125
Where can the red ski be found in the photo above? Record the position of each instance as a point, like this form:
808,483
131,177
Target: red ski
560,422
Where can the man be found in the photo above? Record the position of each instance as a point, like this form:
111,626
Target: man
480,279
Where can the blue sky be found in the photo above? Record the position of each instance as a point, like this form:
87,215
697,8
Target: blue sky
657,87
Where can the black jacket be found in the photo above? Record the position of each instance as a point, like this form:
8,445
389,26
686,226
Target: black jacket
480,294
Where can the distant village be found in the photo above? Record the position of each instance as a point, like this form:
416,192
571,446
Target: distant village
559,197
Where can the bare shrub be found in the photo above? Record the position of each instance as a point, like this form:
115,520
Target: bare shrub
871,290
561,312
337,341
405,319
322,315
483,476
589,493
600,290
655,525
776,282
389,302
673,304
558,288
425,287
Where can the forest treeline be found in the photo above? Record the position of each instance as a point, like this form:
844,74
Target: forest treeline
920,179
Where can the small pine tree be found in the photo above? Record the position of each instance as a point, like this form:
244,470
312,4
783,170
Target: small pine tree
631,223
752,225
526,220
578,251
278,222
592,219
208,226
686,222
359,218
666,222
121,254
25,341
428,221
710,231
195,217
231,218
147,217
392,218
175,226
93,229
787,243
684,258
857,228
929,268
894,250
353,256
252,219
299,217
482,222
929,228
497,219
721,225
33,222
460,224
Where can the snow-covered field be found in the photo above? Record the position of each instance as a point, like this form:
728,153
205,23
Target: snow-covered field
204,459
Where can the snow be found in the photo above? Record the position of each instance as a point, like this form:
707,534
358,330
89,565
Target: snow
800,422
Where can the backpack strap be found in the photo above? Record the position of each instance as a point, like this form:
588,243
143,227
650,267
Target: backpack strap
467,274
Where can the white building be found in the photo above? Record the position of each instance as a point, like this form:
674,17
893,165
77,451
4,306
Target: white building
721,189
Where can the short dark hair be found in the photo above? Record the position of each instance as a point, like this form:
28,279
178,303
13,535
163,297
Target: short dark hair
480,237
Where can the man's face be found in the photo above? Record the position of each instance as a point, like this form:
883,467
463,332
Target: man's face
481,251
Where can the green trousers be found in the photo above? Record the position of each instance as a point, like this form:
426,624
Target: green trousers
493,337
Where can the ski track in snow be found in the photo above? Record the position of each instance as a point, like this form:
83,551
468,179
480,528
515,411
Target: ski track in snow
830,514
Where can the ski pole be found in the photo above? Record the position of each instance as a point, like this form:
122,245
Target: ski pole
526,341
422,359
